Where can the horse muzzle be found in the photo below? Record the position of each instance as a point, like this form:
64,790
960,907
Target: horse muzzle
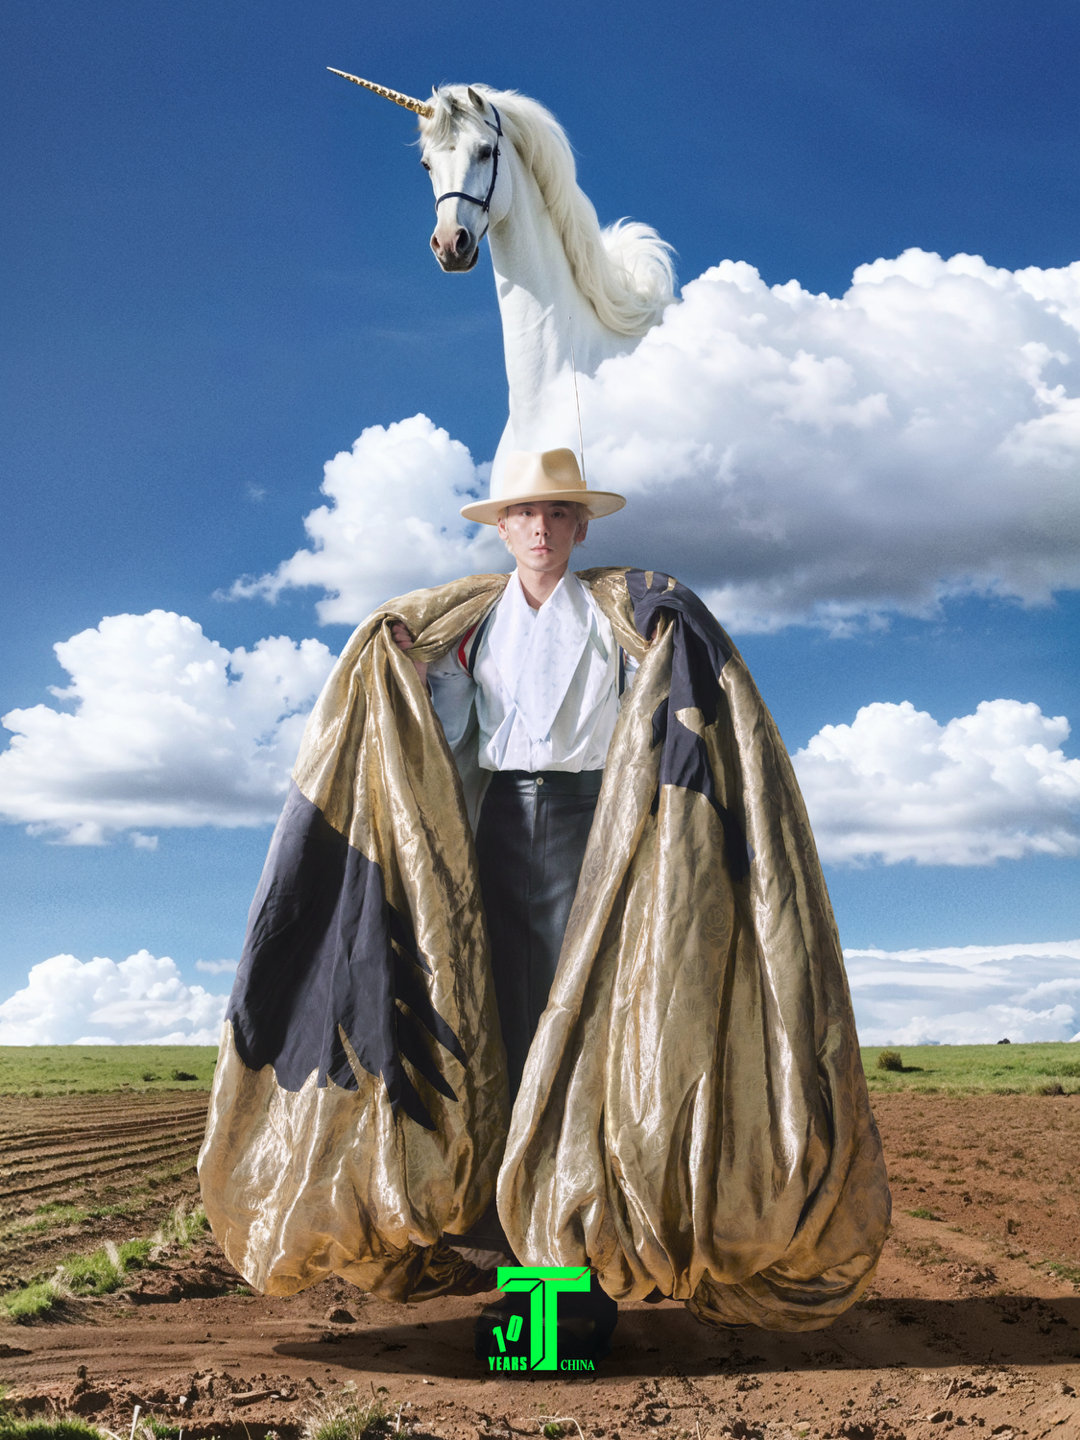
457,249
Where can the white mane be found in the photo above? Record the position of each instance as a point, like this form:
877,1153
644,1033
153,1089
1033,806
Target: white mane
625,270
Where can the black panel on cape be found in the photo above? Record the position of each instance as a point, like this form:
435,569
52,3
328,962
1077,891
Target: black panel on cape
326,954
700,650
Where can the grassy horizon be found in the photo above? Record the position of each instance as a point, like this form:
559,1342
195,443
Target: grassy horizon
1020,1069
40,1070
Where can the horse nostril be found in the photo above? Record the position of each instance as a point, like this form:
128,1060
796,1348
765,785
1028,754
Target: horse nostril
461,241
435,244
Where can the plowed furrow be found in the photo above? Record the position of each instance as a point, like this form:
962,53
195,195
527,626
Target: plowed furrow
22,1164
90,1170
47,1118
106,1129
58,1142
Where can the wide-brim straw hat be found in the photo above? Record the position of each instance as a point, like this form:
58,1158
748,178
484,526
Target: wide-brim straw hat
541,475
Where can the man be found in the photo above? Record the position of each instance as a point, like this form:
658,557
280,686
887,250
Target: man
537,700
689,1112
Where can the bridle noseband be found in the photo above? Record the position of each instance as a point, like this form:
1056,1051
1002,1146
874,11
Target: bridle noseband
484,204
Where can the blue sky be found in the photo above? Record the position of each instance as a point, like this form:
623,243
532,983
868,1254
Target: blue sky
217,277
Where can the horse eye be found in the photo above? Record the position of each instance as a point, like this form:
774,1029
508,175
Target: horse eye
484,152
425,164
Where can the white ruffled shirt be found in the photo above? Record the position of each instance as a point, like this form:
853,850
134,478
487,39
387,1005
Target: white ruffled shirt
545,683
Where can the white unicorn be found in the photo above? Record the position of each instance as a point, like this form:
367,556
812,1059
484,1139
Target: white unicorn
569,291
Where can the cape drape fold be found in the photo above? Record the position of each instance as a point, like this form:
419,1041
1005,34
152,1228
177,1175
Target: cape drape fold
693,1115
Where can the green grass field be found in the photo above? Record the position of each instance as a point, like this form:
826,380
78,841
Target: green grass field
977,1069
100,1069
959,1069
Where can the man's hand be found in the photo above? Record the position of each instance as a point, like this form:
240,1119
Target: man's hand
404,641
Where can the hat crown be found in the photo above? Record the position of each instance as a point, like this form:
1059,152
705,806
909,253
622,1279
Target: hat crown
536,474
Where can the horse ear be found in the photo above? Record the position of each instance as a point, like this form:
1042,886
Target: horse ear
476,98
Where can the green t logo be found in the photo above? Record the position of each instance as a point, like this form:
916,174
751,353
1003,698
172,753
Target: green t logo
543,1284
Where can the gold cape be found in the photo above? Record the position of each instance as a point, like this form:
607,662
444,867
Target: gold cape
693,1115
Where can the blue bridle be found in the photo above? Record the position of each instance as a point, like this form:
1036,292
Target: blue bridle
484,204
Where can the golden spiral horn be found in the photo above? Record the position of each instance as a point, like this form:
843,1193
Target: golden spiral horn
396,96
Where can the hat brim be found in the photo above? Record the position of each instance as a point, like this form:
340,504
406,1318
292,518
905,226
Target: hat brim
598,503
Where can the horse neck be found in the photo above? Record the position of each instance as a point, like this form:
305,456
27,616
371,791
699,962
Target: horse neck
541,305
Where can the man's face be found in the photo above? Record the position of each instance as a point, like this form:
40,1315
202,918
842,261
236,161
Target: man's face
542,535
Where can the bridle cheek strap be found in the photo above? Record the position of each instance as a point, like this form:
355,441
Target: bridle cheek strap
484,204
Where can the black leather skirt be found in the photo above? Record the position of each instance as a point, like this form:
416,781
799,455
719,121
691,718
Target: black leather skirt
530,844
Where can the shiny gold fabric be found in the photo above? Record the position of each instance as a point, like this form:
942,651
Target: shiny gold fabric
693,1114
298,1185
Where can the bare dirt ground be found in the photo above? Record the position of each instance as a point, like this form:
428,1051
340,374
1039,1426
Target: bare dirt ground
125,1150
973,1323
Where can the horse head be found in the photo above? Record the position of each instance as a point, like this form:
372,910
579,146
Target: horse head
460,146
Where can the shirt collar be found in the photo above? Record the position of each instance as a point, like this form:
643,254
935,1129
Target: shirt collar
537,652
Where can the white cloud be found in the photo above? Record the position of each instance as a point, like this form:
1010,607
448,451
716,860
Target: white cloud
391,524
896,785
966,995
961,995
142,1000
793,456
216,967
160,726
